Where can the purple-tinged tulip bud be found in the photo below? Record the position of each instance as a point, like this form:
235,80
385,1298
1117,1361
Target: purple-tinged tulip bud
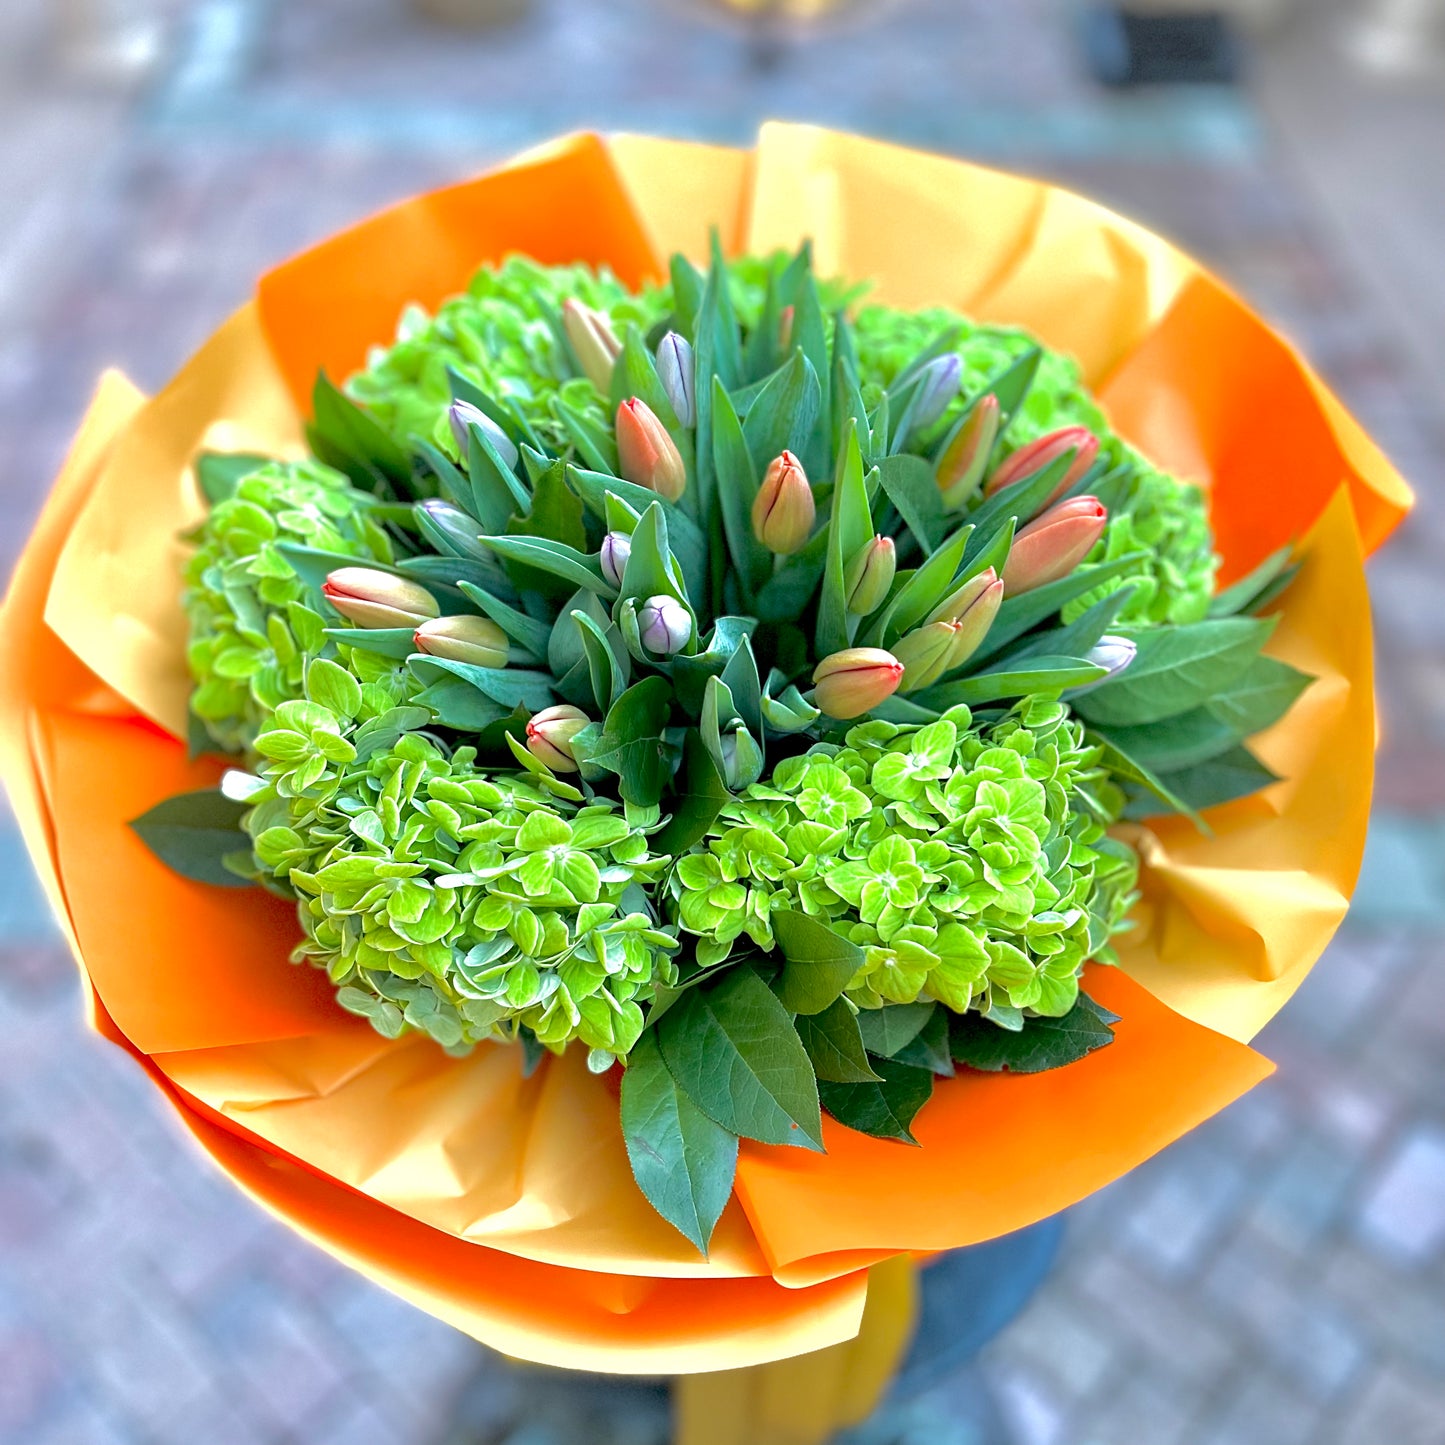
550,733
925,652
371,598
1114,653
783,510
973,607
785,328
616,549
477,640
463,416
1043,452
937,386
847,684
593,340
445,525
961,467
664,625
869,575
676,372
1053,544
646,454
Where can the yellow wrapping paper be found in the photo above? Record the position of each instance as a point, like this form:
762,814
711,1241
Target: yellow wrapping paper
504,1205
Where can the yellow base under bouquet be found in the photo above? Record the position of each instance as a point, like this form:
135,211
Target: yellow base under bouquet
505,1204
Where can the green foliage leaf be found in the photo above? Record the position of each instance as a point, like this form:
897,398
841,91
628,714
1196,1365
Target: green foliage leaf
632,745
567,564
349,438
1033,675
909,483
928,1049
510,686
527,632
733,1050
698,800
192,834
218,474
849,529
682,1161
1259,696
783,416
1260,587
835,1045
1234,774
819,962
1041,1044
885,1109
1176,668
891,1028
737,478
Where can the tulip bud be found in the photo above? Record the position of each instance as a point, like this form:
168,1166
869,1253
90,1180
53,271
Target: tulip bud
676,373
550,733
463,416
616,549
371,598
961,467
937,386
783,510
593,340
447,527
785,328
477,640
869,575
1114,653
973,607
646,454
1053,544
664,624
1043,452
925,652
847,684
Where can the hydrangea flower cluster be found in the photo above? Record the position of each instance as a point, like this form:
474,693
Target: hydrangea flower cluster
251,627
465,903
972,865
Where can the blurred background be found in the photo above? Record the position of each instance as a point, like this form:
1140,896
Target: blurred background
1279,1276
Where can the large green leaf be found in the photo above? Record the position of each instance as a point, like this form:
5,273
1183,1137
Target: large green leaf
1174,742
689,545
736,477
885,1109
1259,696
909,483
682,1161
819,963
783,416
1231,775
698,800
1040,1045
1260,587
835,1045
1176,668
849,529
567,564
1032,675
526,632
510,686
219,473
349,438
888,1029
632,743
193,833
733,1049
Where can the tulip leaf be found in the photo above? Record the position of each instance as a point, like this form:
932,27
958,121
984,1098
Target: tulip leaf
636,375
686,538
691,673
527,632
580,569
594,443
733,1050
785,595
651,570
682,1161
1034,675
1012,384
397,643
910,485
783,416
850,528
737,485
921,593
457,704
1021,500
218,474
510,686
743,681
452,483
835,1045
347,437
1041,1044
819,962
1076,638
1259,587
495,491
697,801
508,417
555,512
194,833
632,743
1175,669
885,1109
1026,610
893,1027
607,664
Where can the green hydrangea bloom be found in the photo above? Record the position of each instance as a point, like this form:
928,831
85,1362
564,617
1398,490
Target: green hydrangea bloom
1163,515
503,334
250,630
465,903
972,864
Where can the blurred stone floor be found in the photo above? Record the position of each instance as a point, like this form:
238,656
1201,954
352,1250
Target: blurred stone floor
1277,1277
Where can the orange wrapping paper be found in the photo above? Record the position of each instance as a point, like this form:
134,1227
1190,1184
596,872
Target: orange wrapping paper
506,1206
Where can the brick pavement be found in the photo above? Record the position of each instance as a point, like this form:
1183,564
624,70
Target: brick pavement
1279,1276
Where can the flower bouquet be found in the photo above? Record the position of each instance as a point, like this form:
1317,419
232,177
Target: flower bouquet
797,713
